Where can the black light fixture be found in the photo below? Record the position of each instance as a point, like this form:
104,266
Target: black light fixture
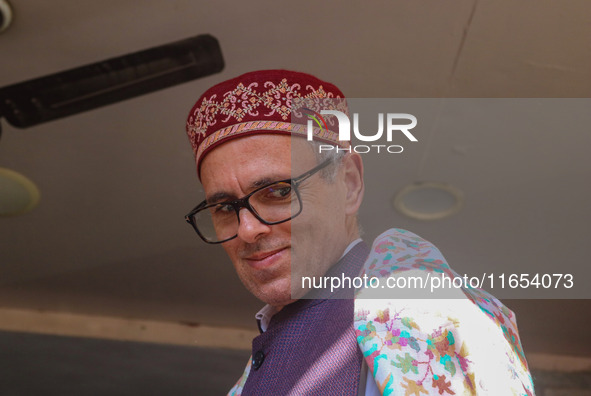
87,87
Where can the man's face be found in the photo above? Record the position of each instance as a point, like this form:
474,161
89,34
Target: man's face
264,256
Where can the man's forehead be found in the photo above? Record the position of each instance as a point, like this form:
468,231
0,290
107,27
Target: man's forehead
256,153
252,162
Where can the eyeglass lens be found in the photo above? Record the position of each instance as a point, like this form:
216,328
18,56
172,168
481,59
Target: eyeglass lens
272,204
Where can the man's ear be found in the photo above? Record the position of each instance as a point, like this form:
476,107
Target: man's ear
353,168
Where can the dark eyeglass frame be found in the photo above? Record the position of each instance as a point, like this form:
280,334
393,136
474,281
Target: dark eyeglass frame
238,204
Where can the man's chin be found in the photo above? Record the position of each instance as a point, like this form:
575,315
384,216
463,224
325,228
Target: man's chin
274,297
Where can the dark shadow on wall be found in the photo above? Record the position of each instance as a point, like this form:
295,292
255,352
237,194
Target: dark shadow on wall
33,364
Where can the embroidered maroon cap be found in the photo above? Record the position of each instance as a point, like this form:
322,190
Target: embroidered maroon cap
265,101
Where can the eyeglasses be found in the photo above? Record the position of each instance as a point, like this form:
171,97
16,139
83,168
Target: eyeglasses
271,204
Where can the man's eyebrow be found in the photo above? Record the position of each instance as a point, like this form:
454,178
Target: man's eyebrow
219,197
224,196
267,180
262,182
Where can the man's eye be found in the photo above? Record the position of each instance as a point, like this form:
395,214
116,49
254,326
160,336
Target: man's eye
223,209
278,192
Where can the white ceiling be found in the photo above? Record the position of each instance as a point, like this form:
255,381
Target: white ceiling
109,237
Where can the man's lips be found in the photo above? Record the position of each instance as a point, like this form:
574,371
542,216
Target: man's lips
266,259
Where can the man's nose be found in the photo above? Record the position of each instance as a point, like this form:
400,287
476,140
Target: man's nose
250,228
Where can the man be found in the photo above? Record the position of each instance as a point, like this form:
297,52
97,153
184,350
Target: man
283,211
